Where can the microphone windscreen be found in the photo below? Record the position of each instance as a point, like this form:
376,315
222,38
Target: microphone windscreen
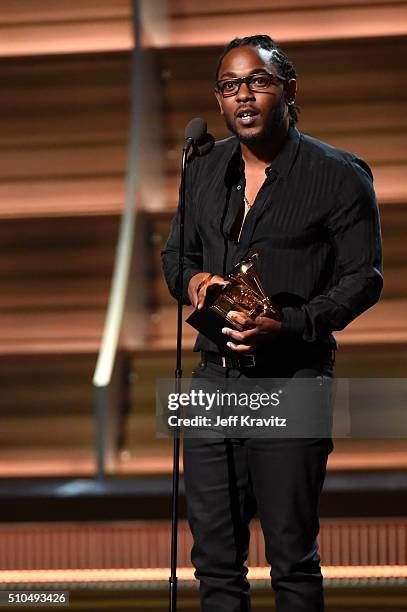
196,130
206,145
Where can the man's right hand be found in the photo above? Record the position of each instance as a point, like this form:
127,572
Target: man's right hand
199,284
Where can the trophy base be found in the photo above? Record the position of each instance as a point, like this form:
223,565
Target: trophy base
209,323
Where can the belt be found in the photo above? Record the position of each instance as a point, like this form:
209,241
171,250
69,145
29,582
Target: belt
229,361
327,354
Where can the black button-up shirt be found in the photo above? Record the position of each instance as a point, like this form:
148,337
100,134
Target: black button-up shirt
314,223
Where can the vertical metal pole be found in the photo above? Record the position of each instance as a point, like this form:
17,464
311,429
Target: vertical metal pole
178,376
108,352
101,430
173,580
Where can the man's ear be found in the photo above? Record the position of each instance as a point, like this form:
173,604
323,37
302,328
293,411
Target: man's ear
219,98
290,90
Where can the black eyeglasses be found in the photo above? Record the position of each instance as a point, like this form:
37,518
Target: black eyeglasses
255,82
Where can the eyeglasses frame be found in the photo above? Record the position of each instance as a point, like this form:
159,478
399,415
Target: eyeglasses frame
247,81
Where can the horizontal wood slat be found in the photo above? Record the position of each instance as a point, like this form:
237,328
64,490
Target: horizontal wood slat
385,323
43,162
55,280
64,147
314,22
63,197
352,542
33,11
77,161
189,8
40,26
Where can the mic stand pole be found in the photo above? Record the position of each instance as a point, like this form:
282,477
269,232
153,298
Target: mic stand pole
173,580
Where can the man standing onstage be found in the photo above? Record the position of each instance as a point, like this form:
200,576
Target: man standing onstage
310,212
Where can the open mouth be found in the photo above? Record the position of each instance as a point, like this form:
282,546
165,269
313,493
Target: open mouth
246,117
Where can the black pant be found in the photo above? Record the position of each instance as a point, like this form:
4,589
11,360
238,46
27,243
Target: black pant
227,481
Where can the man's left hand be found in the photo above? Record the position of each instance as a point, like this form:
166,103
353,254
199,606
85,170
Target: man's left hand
256,331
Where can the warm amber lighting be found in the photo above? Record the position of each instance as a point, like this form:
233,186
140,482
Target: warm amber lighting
186,573
316,23
345,572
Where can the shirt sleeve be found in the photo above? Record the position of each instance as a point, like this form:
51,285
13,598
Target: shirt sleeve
193,251
353,226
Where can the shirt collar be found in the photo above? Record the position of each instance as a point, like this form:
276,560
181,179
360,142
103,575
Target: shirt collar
283,162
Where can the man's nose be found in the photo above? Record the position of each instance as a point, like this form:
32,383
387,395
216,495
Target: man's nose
244,93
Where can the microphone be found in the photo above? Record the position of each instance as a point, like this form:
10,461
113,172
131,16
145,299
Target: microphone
195,131
196,135
206,145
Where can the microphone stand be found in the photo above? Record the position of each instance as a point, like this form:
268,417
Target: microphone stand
173,580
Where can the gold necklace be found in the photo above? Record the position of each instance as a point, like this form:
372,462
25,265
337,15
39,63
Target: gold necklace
246,201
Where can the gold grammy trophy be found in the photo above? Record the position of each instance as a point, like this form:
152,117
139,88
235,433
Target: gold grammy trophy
244,294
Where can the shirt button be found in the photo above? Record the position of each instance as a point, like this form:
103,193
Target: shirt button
238,187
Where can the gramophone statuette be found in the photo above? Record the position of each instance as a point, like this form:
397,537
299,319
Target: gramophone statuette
244,294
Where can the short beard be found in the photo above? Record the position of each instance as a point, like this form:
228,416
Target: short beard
260,137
